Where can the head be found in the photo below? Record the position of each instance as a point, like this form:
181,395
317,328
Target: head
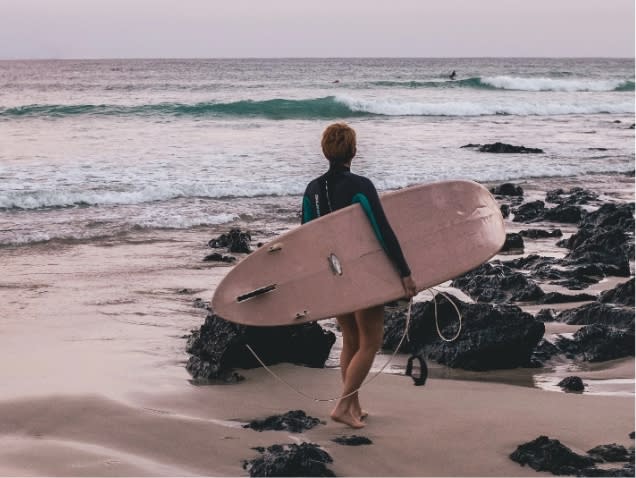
339,143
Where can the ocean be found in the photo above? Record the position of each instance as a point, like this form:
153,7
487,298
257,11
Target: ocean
94,149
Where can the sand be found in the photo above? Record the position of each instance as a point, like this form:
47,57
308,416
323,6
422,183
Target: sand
92,355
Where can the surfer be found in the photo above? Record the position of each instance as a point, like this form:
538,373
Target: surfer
362,330
453,75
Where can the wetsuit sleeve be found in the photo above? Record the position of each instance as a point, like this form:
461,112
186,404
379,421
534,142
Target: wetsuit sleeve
383,228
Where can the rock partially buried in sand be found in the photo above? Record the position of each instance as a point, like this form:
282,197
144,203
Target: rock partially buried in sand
572,197
352,440
295,421
572,384
598,343
219,346
306,459
545,454
540,233
494,337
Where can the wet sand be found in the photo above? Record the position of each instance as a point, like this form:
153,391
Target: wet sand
92,355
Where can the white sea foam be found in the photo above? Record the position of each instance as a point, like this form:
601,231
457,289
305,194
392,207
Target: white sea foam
551,84
468,108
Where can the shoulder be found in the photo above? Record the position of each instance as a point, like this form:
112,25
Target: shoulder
363,182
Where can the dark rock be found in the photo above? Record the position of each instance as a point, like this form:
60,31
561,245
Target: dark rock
185,291
632,434
529,211
219,346
622,294
632,126
215,256
471,145
235,241
505,210
544,351
306,459
564,213
597,149
295,421
572,384
540,233
610,214
495,282
514,242
559,298
598,313
608,248
598,343
568,273
612,453
545,454
352,440
507,148
574,196
507,189
545,315
494,337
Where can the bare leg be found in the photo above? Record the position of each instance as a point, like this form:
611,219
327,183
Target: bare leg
370,328
350,345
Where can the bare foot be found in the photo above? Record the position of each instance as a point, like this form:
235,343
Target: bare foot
347,418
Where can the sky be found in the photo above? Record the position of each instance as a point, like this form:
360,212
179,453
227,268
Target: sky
311,28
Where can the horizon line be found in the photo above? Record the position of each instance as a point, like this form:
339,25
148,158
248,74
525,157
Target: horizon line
310,58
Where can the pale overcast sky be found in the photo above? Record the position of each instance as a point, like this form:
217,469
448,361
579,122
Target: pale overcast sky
308,28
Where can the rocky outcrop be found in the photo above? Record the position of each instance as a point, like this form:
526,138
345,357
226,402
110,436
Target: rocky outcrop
495,337
536,211
496,282
216,257
598,313
574,196
597,343
545,454
219,346
622,294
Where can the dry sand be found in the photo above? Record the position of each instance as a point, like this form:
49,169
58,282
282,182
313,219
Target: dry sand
93,383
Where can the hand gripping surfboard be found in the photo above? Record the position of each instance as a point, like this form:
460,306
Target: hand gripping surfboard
335,264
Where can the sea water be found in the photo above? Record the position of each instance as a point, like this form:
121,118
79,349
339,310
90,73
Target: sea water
108,148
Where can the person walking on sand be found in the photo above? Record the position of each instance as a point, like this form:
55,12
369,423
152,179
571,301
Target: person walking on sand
362,330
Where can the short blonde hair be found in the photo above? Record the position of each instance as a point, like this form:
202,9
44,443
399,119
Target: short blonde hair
339,143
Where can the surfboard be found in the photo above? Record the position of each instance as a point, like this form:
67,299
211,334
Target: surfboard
335,264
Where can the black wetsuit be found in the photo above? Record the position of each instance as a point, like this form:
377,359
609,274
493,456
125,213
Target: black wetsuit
339,188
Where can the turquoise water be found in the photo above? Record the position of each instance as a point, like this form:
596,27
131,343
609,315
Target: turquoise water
101,148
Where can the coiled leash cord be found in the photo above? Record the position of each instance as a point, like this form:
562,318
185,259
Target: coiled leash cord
417,381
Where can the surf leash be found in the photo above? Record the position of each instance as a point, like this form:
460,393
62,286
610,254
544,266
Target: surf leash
377,374
366,382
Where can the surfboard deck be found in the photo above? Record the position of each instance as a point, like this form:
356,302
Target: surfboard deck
335,264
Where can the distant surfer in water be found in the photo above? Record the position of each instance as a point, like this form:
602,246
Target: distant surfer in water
453,75
362,330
